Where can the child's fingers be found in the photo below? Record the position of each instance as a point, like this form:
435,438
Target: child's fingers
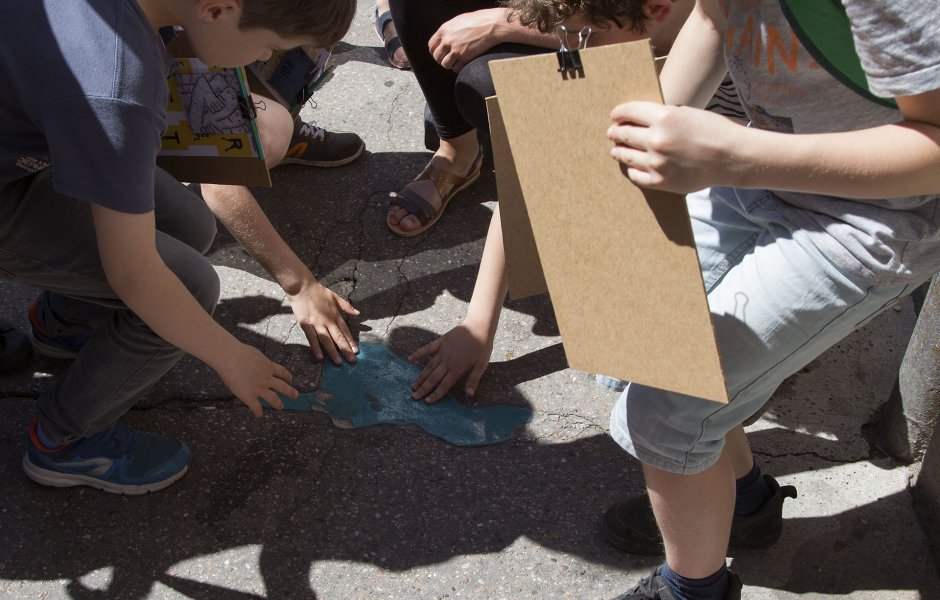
628,135
272,399
254,406
345,306
282,387
314,341
645,179
629,157
426,372
473,379
641,113
431,382
344,341
446,382
425,350
282,373
443,387
326,343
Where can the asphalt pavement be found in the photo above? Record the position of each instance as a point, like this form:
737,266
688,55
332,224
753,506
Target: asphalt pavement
290,506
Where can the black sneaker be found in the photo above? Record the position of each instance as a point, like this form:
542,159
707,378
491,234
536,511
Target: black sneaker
316,147
630,525
652,587
15,349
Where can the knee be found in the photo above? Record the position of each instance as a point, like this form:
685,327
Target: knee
208,288
276,127
204,227
200,278
182,214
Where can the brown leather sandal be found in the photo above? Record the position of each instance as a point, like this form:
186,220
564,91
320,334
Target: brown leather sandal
392,44
447,185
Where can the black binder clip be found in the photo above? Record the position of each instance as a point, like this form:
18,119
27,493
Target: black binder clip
246,108
569,59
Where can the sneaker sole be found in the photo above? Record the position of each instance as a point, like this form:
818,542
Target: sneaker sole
63,480
322,163
49,350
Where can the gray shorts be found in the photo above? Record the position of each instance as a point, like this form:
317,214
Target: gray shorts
776,303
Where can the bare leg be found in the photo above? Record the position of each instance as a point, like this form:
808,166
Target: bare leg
738,450
398,57
694,515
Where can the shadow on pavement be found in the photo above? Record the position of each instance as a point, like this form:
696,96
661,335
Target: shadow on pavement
305,492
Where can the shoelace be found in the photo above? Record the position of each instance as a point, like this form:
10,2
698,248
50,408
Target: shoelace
645,586
313,131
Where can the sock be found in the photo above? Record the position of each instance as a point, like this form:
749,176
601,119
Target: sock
713,587
752,492
46,440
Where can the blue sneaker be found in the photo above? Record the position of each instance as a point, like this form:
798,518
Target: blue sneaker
118,460
59,346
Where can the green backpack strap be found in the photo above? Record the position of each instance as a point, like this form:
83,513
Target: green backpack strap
824,30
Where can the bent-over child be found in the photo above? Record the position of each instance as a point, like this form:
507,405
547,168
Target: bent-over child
116,243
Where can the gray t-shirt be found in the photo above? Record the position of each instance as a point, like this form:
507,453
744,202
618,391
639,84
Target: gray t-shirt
887,242
83,87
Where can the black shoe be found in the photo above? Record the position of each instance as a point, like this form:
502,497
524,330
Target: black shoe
15,349
316,147
630,525
652,587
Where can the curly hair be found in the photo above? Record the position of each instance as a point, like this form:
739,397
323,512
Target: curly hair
546,15
326,21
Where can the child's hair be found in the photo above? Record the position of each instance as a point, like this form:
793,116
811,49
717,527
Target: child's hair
326,21
548,14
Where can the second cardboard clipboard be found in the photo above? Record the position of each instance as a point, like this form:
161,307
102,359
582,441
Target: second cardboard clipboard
619,262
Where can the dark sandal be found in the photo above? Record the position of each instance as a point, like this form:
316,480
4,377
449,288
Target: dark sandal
380,22
424,210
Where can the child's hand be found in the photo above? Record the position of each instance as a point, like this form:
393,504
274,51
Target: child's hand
250,375
674,148
463,349
320,314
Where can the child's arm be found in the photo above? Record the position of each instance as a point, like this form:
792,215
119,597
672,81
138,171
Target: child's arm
137,273
318,310
683,149
696,64
467,347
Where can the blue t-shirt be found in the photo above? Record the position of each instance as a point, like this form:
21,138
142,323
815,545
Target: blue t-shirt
83,87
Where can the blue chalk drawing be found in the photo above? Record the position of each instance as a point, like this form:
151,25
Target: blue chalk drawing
376,390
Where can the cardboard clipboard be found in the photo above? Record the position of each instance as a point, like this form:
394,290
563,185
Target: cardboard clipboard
620,263
228,153
523,267
290,77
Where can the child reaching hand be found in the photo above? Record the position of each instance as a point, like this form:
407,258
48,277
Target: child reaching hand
465,350
116,242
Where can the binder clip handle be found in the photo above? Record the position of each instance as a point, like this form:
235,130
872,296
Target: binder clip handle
246,108
569,59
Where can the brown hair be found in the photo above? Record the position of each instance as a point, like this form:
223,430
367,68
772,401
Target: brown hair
548,14
326,21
